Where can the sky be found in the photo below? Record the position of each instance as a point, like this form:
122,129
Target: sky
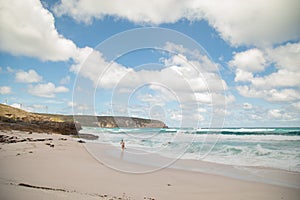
188,63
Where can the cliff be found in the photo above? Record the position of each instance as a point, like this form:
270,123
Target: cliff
122,122
16,119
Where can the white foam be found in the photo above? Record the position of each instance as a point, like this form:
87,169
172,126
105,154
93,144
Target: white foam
236,130
276,151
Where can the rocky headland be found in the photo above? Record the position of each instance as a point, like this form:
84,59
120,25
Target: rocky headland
16,119
118,122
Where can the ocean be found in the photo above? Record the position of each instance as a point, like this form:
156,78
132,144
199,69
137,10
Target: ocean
277,148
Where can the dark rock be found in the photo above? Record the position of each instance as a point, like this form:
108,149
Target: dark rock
41,187
88,136
14,139
81,141
65,128
17,119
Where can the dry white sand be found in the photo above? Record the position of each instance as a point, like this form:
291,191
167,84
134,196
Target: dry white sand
34,170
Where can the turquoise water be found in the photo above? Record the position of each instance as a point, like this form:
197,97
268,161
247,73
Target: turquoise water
262,147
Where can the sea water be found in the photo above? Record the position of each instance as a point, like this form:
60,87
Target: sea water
277,148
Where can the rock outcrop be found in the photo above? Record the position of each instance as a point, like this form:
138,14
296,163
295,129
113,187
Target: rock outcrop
116,121
17,119
129,122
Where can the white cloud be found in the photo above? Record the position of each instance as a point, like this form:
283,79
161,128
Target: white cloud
252,60
79,107
286,56
28,77
65,80
71,104
10,70
5,90
198,117
243,76
283,95
181,57
154,12
256,117
275,113
201,110
190,79
278,114
281,84
165,93
157,99
47,90
175,115
258,22
30,108
54,101
29,29
213,98
281,78
182,77
239,22
86,65
180,73
273,95
38,106
93,66
205,98
296,105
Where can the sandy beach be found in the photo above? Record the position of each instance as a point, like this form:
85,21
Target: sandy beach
53,166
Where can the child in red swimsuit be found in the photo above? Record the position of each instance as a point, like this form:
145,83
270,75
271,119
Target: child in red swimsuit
122,144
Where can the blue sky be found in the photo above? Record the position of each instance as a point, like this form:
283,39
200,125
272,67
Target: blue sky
62,56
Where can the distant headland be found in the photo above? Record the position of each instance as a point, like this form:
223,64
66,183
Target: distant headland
16,119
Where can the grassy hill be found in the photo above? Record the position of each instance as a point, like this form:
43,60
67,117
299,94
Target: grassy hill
16,119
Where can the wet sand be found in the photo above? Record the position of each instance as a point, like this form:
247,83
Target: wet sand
53,166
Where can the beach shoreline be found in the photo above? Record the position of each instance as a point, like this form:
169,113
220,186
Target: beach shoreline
139,162
63,168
